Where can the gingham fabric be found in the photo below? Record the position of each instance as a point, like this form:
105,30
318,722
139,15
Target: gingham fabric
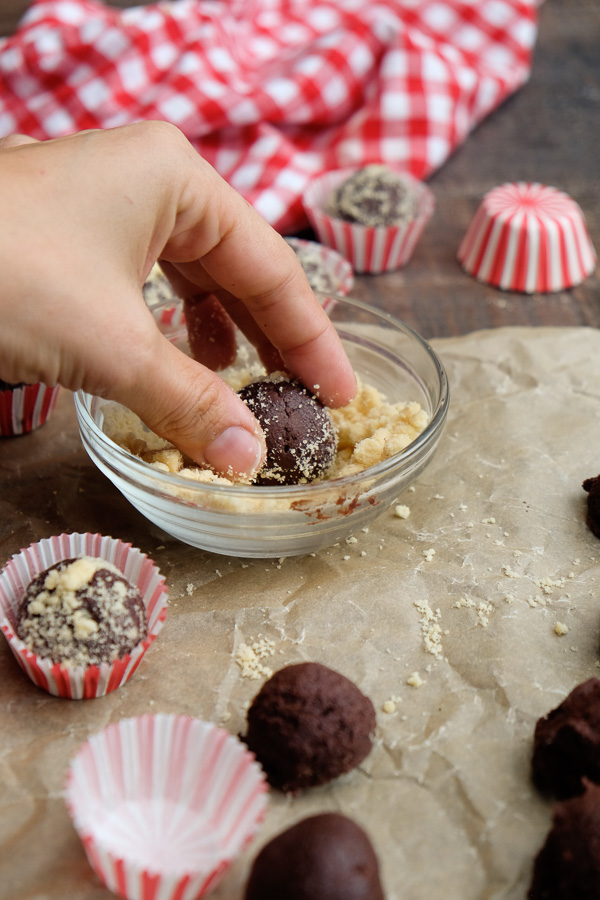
272,92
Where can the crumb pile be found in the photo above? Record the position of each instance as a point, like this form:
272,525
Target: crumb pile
373,196
82,612
309,724
299,433
369,430
324,857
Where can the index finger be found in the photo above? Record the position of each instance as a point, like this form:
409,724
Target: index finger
217,233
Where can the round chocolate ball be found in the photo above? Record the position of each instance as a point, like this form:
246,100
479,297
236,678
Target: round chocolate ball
592,486
299,432
309,724
81,611
373,196
566,743
323,857
568,865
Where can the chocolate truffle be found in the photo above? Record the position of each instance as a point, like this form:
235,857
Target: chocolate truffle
307,725
373,196
567,743
592,486
568,865
324,857
81,612
317,274
299,432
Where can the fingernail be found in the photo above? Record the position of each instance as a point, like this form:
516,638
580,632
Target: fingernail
235,451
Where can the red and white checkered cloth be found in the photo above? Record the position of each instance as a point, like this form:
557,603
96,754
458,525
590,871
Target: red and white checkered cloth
272,92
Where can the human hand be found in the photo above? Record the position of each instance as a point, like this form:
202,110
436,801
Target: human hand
83,220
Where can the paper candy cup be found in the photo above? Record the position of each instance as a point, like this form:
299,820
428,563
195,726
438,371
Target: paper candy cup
79,683
528,237
336,269
25,408
380,249
163,804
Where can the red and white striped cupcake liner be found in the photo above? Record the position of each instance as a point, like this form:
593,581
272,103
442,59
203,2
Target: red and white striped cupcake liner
368,249
80,683
528,237
163,804
25,408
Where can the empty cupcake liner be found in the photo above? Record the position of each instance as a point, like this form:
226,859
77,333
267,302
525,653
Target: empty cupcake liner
26,407
528,237
368,249
80,683
330,272
163,804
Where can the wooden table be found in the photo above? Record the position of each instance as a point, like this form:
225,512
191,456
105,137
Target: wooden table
547,132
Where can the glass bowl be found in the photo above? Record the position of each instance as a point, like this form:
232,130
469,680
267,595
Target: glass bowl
260,521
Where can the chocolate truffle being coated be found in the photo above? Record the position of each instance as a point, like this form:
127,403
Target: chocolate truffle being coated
299,432
566,743
82,612
592,486
324,857
373,196
309,724
568,865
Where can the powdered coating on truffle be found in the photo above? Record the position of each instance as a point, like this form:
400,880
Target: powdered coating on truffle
373,196
317,274
309,724
82,612
299,433
323,857
567,743
568,865
592,486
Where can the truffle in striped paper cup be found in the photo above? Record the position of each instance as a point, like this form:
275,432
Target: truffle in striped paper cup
327,271
163,804
528,237
25,407
79,612
373,216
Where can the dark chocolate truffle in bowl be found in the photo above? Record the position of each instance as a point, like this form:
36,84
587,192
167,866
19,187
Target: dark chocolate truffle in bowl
82,612
309,724
323,857
299,432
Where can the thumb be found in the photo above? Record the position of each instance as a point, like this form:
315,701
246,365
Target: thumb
194,409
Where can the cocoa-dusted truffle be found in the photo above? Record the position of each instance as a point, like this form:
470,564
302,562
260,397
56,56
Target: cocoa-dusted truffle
81,612
372,196
567,743
592,486
299,432
324,857
568,865
309,724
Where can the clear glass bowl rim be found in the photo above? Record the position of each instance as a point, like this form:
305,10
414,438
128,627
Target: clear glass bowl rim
83,402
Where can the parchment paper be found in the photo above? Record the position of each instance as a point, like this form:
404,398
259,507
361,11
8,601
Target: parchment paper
445,794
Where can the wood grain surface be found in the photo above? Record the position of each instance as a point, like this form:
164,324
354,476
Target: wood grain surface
548,132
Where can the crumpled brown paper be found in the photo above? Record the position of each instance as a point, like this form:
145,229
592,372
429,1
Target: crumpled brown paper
461,599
